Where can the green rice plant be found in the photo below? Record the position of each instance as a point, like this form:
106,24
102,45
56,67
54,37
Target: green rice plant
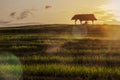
55,70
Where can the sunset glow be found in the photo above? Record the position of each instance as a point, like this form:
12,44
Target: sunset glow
114,6
57,11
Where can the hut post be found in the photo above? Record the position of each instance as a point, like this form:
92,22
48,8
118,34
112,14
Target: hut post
92,21
80,21
75,22
86,22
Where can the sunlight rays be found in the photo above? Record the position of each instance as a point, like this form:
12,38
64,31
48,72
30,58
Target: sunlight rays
114,6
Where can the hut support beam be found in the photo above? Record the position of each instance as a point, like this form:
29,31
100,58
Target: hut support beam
92,22
75,22
80,22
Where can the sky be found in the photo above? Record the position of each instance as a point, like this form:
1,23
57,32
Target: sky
57,11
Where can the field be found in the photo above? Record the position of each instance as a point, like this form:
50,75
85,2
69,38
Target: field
60,52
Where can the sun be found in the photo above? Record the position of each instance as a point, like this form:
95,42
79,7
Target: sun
114,6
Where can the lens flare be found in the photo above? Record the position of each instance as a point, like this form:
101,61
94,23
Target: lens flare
10,67
79,31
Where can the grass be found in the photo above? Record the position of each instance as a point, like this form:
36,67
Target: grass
72,71
71,60
56,70
24,53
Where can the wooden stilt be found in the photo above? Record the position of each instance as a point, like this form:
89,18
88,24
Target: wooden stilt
80,22
92,22
75,22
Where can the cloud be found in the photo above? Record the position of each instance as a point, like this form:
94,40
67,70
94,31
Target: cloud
115,20
48,7
107,17
101,12
13,14
22,15
4,22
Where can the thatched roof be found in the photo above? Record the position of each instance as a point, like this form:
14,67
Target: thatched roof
83,17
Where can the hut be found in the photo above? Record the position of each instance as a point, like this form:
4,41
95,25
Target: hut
84,17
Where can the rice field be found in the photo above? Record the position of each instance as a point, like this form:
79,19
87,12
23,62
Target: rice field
59,52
